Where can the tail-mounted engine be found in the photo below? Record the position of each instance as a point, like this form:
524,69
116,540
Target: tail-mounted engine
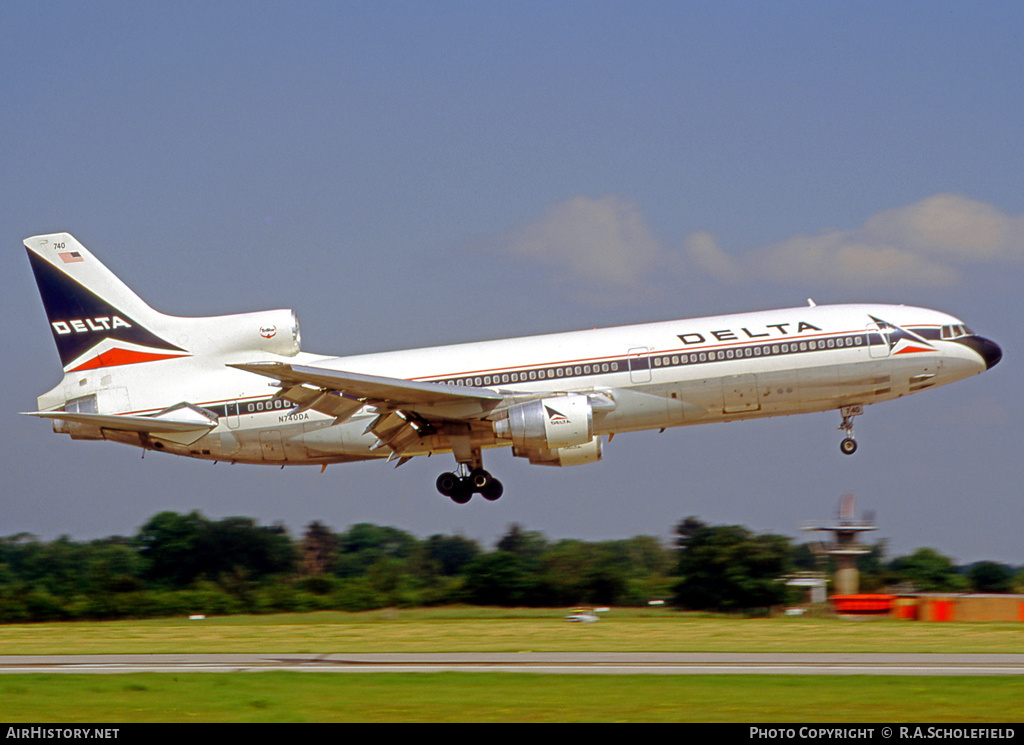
273,331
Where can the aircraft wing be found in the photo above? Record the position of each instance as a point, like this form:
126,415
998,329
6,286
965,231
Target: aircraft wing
406,409
373,389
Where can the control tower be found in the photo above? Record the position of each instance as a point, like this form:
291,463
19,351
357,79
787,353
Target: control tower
844,547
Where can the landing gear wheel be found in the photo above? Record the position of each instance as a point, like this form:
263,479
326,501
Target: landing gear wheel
447,483
492,491
849,446
463,492
489,487
460,486
459,490
479,479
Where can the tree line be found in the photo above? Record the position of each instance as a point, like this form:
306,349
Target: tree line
181,564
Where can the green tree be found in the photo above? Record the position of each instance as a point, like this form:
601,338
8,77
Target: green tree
319,547
727,568
528,544
451,553
928,571
364,544
686,528
170,546
499,578
990,576
179,549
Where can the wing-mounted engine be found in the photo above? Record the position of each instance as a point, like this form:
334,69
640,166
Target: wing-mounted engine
574,455
548,423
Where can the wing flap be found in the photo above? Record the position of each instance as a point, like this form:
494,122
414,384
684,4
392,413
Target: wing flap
317,399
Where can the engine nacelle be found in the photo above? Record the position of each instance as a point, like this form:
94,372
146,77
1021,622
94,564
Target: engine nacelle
575,455
548,423
273,331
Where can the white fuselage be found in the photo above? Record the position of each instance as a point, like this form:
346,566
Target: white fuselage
650,376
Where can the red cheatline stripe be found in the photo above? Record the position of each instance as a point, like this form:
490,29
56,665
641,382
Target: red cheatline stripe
740,343
115,357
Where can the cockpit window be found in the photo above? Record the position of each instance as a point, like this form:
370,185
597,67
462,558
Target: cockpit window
955,331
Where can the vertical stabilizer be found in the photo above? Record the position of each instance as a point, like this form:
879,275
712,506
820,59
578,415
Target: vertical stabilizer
96,319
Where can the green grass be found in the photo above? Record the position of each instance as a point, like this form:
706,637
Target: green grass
508,630
444,697
482,697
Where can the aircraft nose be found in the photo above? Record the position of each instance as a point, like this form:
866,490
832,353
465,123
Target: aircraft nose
987,349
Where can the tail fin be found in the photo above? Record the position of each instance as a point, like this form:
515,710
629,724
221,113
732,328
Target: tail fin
97,321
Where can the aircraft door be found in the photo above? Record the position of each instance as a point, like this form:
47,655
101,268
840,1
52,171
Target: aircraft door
231,412
739,393
875,348
639,365
271,445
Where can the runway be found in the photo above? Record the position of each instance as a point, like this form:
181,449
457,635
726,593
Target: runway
592,663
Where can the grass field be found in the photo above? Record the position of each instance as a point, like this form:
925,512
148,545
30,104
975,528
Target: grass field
506,630
513,697
282,697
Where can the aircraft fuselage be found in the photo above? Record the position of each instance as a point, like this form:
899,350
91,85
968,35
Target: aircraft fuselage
238,388
654,376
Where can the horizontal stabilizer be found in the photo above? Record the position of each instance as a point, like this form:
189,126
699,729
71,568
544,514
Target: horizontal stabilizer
182,418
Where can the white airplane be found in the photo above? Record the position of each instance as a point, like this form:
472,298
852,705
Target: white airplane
238,388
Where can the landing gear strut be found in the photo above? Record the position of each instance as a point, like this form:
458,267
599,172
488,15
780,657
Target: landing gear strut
849,445
471,477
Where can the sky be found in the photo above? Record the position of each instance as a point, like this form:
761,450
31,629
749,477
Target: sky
408,174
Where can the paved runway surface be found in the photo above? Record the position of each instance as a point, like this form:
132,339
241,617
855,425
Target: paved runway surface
594,663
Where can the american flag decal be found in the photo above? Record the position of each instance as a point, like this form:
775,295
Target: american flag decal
70,257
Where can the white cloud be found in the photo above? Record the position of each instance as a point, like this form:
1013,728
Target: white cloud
949,224
923,244
603,240
704,251
926,244
846,260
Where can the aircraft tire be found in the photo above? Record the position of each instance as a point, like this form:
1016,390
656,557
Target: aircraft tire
848,446
479,480
463,492
447,483
492,491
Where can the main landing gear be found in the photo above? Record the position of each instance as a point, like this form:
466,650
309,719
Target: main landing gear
460,489
471,478
849,445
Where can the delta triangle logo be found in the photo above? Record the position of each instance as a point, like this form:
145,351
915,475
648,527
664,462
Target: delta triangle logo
901,340
555,417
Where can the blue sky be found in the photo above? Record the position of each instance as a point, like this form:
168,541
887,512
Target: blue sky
411,174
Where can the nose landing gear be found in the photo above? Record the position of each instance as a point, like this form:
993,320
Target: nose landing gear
849,445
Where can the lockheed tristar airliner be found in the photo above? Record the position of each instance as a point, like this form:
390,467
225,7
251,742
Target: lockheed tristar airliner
238,388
